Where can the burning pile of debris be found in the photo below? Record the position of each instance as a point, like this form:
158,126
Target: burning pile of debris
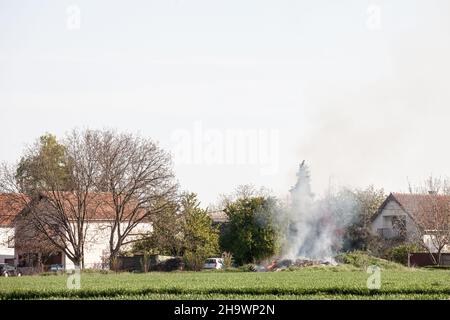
281,264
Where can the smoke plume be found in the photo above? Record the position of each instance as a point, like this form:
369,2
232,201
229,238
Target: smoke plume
314,228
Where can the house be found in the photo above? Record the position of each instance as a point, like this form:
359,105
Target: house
8,210
31,249
400,215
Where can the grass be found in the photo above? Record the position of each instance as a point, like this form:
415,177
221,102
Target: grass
360,259
339,282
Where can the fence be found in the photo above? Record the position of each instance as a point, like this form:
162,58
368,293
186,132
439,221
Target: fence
422,259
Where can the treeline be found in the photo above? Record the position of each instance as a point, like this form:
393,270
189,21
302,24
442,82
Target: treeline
255,230
135,177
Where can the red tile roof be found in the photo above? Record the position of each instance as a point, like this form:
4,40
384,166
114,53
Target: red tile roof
100,206
422,205
10,206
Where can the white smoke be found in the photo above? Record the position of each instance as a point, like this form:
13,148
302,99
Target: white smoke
314,228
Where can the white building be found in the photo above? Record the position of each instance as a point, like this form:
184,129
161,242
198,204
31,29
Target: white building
6,243
96,249
400,214
8,210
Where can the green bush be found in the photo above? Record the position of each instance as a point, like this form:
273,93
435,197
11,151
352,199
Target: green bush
201,238
400,253
194,260
227,260
251,232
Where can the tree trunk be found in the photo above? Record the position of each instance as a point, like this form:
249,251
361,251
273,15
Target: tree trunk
439,257
113,260
433,258
39,262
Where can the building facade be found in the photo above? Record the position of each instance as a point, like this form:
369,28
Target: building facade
22,245
413,217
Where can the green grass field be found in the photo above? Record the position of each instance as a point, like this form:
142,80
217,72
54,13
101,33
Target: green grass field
342,282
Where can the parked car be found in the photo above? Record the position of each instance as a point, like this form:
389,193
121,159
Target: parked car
7,270
213,263
56,268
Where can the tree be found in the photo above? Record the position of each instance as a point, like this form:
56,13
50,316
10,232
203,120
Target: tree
358,235
45,156
431,215
166,236
201,239
433,226
54,183
251,233
138,175
33,247
89,171
243,191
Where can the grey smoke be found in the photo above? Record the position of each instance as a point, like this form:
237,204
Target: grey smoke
314,228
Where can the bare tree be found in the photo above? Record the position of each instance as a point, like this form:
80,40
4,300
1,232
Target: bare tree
431,214
32,246
59,208
241,192
433,221
138,176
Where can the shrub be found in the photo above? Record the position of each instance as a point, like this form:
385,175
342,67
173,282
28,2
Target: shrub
251,233
227,260
144,262
201,238
195,260
400,253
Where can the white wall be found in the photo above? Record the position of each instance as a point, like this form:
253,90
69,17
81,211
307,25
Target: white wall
391,209
5,252
96,248
384,219
428,240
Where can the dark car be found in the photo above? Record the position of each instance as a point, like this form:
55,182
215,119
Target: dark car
7,270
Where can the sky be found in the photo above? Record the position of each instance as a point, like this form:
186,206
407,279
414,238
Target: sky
240,92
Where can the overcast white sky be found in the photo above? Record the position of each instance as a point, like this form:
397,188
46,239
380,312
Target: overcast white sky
360,89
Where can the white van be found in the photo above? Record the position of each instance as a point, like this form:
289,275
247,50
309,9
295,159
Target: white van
213,263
